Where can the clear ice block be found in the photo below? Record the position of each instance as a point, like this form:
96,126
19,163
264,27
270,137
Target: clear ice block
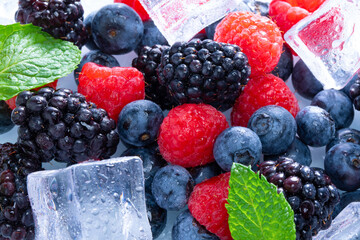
95,200
328,41
346,226
180,20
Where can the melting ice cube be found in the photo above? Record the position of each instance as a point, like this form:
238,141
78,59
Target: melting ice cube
180,20
328,41
96,200
346,226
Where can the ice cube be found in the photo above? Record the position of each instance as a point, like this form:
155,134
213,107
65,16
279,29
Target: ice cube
328,42
181,20
7,11
96,200
346,226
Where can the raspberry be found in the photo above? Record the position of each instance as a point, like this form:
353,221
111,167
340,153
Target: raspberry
261,91
12,101
257,36
286,13
111,88
136,5
187,135
207,205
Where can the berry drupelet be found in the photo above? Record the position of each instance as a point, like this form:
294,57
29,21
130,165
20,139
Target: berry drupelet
204,72
60,18
355,93
63,125
309,192
16,220
147,62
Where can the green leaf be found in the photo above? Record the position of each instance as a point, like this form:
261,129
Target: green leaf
256,210
31,58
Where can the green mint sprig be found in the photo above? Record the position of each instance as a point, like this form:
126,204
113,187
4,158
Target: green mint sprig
31,58
256,210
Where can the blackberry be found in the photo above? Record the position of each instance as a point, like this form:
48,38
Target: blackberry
147,62
309,192
204,72
355,93
63,125
60,18
16,220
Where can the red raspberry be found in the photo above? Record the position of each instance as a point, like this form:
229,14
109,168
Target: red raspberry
207,205
261,91
136,5
257,36
188,133
286,13
12,101
111,88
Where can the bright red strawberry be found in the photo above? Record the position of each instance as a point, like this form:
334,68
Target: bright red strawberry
188,133
286,13
12,101
111,88
261,91
136,5
207,205
257,36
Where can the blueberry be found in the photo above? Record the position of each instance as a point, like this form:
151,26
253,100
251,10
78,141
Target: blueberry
315,126
284,67
117,29
342,164
304,81
157,215
87,23
298,151
98,57
338,104
5,118
139,123
152,36
152,162
205,172
171,187
345,135
345,199
276,128
186,227
239,145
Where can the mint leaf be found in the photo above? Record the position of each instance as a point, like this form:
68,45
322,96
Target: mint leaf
31,58
256,210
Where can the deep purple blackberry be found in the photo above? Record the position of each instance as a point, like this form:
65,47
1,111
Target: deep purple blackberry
60,18
147,62
355,93
62,125
309,192
204,72
16,220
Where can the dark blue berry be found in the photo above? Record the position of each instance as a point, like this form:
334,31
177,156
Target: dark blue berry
171,187
276,128
152,36
342,164
98,57
186,227
315,126
87,23
239,145
157,215
284,67
345,199
5,118
139,122
117,29
338,104
345,135
205,172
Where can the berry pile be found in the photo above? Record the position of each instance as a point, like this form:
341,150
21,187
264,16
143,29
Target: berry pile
309,192
63,125
60,18
16,221
204,72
